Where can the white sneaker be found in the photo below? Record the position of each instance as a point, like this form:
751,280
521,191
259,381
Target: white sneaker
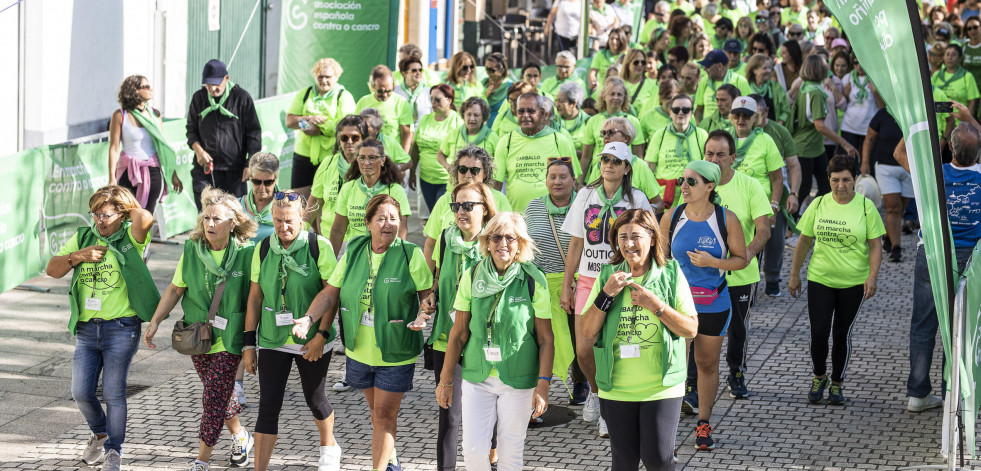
112,461
920,404
241,447
342,385
199,466
603,431
240,393
338,347
93,453
330,458
591,410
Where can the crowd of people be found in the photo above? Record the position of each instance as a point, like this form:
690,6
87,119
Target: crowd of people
610,226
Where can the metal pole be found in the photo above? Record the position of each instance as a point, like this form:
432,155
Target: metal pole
953,398
583,30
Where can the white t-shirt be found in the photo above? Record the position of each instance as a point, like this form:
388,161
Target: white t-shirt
584,221
858,115
567,18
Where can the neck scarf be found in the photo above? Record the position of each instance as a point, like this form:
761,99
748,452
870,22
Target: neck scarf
499,94
479,139
456,244
220,106
371,192
608,203
114,237
713,85
577,122
863,93
288,262
342,164
813,87
680,139
487,283
554,210
961,72
219,272
328,95
261,217
165,154
743,146
765,90
546,130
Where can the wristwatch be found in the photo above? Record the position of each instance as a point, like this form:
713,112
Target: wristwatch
325,333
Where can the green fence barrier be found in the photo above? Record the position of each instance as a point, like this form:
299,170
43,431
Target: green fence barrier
19,223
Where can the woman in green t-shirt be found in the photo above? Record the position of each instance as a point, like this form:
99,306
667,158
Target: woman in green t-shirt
956,81
640,89
384,278
264,175
462,76
616,45
842,272
640,366
351,130
218,254
674,146
503,332
433,129
474,132
111,293
759,71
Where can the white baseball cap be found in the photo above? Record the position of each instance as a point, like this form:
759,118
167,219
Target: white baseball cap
745,105
618,150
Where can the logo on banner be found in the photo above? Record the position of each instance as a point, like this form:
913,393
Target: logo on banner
295,18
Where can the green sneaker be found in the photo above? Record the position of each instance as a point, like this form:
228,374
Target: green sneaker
816,394
835,395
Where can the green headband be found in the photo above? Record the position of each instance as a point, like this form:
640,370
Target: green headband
706,169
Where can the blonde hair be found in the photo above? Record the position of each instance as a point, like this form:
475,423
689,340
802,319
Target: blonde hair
693,43
119,197
245,227
285,203
508,222
755,61
608,85
325,63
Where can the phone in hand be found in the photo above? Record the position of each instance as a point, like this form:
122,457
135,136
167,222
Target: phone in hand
943,107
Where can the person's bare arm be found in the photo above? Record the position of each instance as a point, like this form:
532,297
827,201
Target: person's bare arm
900,154
427,251
142,221
405,131
759,240
829,134
403,227
800,253
115,143
870,137
337,231
793,174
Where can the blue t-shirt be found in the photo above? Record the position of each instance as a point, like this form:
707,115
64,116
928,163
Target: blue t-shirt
690,236
963,189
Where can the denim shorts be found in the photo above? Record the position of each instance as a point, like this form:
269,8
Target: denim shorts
396,379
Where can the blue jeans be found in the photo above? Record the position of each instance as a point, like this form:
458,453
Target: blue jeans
923,324
106,347
431,192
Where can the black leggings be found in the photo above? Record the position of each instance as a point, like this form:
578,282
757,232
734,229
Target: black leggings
577,375
274,372
816,167
156,187
642,431
832,312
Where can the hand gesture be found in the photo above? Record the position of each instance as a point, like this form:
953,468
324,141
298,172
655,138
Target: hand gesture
616,283
151,330
91,254
701,258
643,297
794,286
301,326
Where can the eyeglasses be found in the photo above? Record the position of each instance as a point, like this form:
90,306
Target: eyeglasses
691,181
353,138
680,110
610,132
415,70
563,67
689,78
639,62
324,77
257,182
760,50
384,92
216,220
147,86
473,170
611,160
436,99
531,76
290,195
549,160
466,68
497,238
369,158
466,205
106,216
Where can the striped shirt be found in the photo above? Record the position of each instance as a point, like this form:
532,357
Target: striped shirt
549,260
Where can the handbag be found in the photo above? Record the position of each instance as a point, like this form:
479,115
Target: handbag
195,339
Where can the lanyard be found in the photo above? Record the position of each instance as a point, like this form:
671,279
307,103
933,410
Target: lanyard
282,290
371,282
490,317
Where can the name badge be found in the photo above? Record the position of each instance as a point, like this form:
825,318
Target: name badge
284,318
368,318
93,304
220,323
492,354
453,315
629,351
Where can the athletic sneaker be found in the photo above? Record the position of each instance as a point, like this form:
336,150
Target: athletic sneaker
689,403
93,452
580,392
773,290
603,431
591,410
198,465
920,404
330,458
394,465
342,385
241,447
737,386
886,244
836,396
896,254
816,394
703,436
112,461
240,393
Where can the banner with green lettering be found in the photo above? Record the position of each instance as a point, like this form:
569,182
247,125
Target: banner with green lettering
357,34
20,206
72,174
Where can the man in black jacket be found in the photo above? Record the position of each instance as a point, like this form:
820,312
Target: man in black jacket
223,130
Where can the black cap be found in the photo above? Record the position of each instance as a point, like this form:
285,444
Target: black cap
214,72
732,45
724,22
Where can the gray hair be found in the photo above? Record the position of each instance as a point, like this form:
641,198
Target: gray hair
565,55
372,117
573,92
624,125
486,162
539,100
662,4
264,162
548,107
965,144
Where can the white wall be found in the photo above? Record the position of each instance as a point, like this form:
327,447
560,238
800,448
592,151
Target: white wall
9,79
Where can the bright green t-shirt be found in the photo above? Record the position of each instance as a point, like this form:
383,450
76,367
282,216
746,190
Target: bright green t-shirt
505,121
639,379
641,100
440,343
714,121
326,186
662,152
781,137
576,128
520,161
643,179
441,217
961,90
352,203
395,111
339,106
810,142
394,149
467,90
104,281
551,85
649,27
761,158
429,136
655,119
455,141
591,137
217,345
602,60
788,16
705,95
365,350
841,233
744,196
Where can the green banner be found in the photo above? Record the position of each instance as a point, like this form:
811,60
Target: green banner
357,34
19,212
971,355
72,174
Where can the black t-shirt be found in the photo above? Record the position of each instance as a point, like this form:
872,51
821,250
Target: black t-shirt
888,138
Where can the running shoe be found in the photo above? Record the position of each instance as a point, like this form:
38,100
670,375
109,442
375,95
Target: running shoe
112,461
703,436
330,458
737,386
93,452
591,410
816,394
773,290
240,393
836,395
603,432
198,466
241,447
339,348
342,386
580,392
689,403
896,254
920,404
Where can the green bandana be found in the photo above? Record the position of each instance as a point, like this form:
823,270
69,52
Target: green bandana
219,272
220,106
371,192
681,139
342,164
479,139
573,124
509,115
765,90
487,283
813,87
261,217
743,146
456,244
114,237
547,130
287,262
857,82
554,210
713,85
165,153
608,203
961,72
499,93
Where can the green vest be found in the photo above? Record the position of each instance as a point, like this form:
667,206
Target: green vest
140,289
300,292
450,271
201,287
393,297
513,331
673,357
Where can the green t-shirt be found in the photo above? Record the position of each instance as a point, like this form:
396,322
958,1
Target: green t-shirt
740,69
326,186
643,99
217,345
467,90
655,118
841,233
972,60
788,16
429,136
577,128
103,281
591,137
441,217
810,142
440,343
454,142
761,158
602,60
365,350
961,90
551,85
781,137
662,152
744,196
705,93
395,111
335,108
643,179
352,202
714,121
505,121
394,149
520,162
649,28
639,379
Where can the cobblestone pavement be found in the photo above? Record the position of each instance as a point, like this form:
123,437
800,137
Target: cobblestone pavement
775,428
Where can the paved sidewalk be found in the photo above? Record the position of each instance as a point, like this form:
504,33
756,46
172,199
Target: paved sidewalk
41,429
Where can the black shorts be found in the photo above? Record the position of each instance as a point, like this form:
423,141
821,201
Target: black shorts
714,323
303,171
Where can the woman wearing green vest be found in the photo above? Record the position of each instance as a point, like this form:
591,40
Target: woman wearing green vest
374,174
264,175
288,269
956,81
496,84
216,262
462,76
351,130
315,112
458,252
473,132
384,277
111,293
672,147
503,332
640,366
434,128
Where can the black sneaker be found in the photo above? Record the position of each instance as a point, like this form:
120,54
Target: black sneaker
737,386
836,396
886,244
896,254
773,290
580,392
703,436
816,394
689,403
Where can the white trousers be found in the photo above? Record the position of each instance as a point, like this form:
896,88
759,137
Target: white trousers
484,404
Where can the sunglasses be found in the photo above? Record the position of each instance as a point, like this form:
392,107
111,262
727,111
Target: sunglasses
609,132
464,169
559,159
291,195
972,28
793,34
350,138
257,182
532,76
466,68
680,109
384,92
691,181
466,205
639,62
147,86
761,20
415,71
611,160
497,238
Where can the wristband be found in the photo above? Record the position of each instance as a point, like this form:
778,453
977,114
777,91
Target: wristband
70,260
444,385
248,347
793,193
311,318
546,378
325,333
603,301
248,338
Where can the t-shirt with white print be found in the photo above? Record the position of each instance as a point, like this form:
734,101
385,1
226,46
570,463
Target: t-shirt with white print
585,221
